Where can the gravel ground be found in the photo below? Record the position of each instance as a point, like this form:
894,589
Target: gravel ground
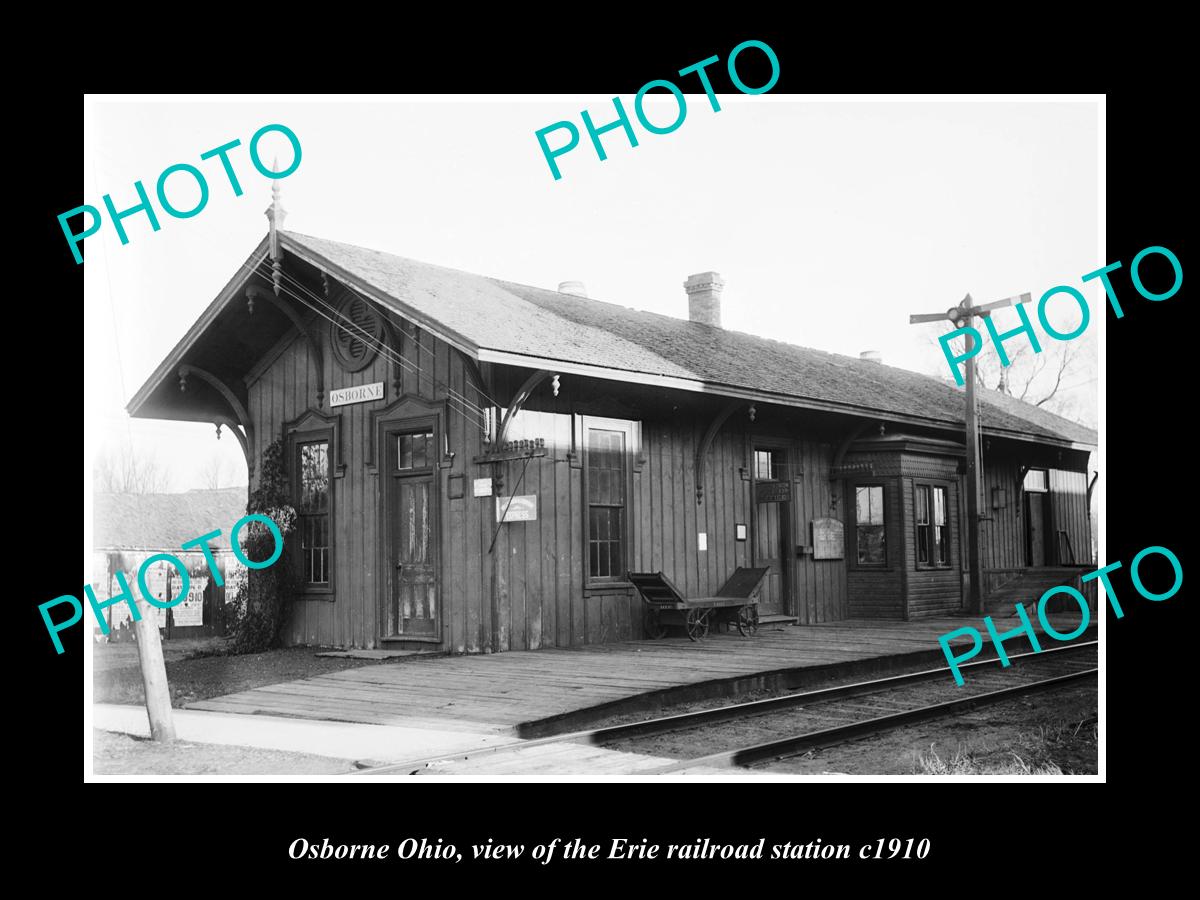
117,678
123,754
1044,731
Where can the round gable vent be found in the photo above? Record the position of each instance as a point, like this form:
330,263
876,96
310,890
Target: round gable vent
356,333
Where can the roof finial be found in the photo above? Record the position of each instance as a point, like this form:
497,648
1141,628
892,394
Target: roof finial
275,215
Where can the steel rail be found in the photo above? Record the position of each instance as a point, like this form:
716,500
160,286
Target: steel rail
682,721
796,744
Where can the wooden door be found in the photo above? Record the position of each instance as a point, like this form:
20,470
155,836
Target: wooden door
1035,510
772,513
413,600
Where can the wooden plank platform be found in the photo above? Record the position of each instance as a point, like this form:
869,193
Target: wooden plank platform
497,692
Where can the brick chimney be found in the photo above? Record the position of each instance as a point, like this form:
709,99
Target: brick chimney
704,298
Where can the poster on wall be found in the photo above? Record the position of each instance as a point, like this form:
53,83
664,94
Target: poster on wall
190,611
828,539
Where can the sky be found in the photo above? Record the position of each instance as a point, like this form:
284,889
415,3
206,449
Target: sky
829,220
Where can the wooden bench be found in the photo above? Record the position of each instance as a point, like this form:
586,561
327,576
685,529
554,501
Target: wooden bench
735,603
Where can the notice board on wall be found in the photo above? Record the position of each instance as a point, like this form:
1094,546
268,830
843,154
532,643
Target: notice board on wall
828,539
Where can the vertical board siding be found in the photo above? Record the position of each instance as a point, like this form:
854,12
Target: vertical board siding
531,591
350,617
1002,534
821,585
1069,513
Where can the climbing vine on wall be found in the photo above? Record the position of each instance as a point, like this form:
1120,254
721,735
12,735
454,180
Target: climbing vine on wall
260,596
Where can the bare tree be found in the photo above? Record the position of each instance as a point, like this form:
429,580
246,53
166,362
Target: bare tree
129,472
1040,379
216,472
1022,377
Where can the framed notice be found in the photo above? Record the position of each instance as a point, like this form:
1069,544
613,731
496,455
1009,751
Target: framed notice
828,539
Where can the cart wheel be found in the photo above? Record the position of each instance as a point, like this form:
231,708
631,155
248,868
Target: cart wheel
697,623
747,621
655,629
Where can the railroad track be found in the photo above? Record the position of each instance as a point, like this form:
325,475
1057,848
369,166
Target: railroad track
808,719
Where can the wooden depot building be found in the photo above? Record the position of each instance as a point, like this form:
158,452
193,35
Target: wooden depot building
477,465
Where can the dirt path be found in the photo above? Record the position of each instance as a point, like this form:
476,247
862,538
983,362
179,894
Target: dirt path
117,678
122,754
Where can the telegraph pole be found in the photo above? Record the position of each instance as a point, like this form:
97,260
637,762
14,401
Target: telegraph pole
974,477
963,316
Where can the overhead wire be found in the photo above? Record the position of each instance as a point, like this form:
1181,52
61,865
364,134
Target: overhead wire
471,411
468,411
368,338
463,402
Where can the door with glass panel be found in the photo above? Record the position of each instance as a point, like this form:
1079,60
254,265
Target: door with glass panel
1037,518
413,608
772,515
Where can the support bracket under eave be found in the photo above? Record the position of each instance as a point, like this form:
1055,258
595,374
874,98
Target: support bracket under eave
475,376
239,411
227,422
706,443
518,402
844,447
256,292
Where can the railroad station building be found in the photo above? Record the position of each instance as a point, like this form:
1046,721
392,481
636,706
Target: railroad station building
476,465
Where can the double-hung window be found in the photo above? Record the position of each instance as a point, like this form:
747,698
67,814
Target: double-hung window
933,535
606,463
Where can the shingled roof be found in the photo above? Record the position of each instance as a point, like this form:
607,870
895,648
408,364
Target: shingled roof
165,521
489,316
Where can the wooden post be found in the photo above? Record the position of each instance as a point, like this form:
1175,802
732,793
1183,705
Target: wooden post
154,673
975,562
